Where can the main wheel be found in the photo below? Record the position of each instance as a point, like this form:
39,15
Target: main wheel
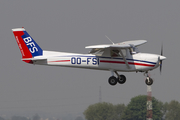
149,81
112,80
122,80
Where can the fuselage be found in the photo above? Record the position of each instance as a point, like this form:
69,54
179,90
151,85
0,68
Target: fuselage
137,62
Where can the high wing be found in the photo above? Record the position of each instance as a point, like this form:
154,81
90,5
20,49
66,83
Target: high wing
126,44
116,48
96,49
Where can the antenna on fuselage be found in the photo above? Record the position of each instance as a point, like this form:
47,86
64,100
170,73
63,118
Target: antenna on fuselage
109,39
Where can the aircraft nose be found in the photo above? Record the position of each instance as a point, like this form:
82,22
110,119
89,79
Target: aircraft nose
162,57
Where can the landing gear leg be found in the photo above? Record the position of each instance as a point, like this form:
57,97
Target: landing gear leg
148,81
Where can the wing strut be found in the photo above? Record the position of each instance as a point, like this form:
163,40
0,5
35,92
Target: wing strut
124,59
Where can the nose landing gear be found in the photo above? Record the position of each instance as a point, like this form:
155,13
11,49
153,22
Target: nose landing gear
148,81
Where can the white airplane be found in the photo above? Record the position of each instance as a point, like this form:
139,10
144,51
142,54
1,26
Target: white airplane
113,57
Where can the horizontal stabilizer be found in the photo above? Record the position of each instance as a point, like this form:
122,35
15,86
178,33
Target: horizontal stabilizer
36,58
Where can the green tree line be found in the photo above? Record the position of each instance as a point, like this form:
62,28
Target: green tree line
135,110
35,117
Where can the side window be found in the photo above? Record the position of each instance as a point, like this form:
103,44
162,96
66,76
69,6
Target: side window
116,53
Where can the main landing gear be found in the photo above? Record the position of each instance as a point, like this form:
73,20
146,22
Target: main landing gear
148,81
121,79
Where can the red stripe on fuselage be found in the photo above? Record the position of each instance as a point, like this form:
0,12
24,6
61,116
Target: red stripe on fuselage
141,64
61,61
131,63
107,61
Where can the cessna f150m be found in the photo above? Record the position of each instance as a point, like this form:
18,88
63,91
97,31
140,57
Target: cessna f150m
122,56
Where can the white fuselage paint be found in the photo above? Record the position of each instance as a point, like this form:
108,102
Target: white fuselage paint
137,62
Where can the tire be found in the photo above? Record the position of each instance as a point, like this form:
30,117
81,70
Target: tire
112,80
149,82
121,80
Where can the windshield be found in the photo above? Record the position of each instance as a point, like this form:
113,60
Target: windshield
134,50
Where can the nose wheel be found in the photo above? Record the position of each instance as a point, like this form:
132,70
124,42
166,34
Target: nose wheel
148,81
121,79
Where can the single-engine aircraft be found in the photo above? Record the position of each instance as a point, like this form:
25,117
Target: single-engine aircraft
114,57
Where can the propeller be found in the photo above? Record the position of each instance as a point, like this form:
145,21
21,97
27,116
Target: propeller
161,60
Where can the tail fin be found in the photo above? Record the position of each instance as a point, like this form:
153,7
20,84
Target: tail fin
28,47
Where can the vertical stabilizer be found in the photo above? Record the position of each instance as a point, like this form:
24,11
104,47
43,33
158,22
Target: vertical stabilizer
28,47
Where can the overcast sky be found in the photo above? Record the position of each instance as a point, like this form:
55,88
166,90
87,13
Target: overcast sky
69,26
